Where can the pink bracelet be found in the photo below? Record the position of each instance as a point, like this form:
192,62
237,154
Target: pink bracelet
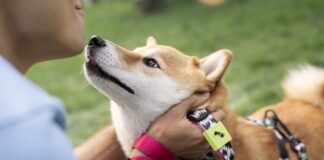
153,149
141,158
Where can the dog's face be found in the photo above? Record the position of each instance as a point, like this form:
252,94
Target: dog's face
153,76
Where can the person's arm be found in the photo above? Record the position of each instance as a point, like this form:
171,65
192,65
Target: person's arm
103,145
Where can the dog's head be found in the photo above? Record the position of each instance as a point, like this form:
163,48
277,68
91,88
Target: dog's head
151,76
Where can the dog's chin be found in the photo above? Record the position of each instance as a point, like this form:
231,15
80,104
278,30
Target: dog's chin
93,69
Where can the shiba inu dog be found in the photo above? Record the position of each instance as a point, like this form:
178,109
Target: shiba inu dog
144,83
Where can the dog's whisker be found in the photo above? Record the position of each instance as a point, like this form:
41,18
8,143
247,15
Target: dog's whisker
85,84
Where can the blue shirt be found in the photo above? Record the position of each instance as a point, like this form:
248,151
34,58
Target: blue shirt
32,123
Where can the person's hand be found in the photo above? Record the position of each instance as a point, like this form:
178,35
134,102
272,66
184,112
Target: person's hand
177,133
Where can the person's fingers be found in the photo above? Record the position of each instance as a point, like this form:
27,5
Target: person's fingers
219,115
201,146
195,130
193,101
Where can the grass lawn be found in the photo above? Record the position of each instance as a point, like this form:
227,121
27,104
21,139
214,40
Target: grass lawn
268,37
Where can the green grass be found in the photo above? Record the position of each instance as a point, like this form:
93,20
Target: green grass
268,37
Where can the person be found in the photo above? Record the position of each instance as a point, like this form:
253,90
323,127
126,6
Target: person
32,123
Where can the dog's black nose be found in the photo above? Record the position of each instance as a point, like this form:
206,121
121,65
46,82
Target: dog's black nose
97,41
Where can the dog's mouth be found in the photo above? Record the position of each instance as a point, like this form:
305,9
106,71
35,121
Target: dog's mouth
95,68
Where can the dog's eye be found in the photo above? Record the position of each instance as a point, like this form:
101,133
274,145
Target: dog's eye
150,62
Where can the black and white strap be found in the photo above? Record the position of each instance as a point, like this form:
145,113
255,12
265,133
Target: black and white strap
204,120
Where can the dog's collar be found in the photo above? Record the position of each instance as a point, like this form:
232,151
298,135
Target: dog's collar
283,135
204,120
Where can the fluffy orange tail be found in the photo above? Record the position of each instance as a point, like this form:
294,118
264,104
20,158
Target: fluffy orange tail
305,83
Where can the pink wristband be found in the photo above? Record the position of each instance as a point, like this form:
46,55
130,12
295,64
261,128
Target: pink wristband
141,158
153,149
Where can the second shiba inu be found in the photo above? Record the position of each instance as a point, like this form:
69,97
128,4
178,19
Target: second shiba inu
144,83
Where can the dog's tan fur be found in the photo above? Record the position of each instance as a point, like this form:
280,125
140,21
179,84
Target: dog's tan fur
302,111
304,117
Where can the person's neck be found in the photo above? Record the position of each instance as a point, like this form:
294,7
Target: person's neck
18,61
13,48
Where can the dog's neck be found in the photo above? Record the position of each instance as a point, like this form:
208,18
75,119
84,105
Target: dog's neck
131,123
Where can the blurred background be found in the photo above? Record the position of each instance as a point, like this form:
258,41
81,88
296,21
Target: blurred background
268,37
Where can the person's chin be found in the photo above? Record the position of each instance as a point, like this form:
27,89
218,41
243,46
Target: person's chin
77,45
69,50
76,50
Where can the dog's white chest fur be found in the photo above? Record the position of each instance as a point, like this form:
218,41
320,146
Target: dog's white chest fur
130,124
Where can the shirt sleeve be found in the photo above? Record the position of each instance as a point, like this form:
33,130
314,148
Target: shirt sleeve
37,138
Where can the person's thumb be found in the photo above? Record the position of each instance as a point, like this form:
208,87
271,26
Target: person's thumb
191,103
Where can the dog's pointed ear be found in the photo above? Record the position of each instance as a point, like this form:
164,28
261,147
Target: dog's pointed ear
151,41
216,64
